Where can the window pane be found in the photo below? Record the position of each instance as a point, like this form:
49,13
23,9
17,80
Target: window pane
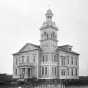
33,58
76,61
62,60
16,61
16,72
55,71
42,70
72,60
63,72
67,59
76,72
45,70
72,71
43,59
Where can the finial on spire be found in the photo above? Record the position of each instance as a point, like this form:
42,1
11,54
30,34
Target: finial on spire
49,14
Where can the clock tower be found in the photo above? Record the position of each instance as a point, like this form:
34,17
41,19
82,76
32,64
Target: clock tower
48,32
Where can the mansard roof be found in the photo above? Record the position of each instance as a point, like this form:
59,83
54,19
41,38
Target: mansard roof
27,47
67,48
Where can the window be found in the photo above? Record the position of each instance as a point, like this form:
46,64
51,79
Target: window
43,59
45,70
67,59
22,59
42,70
62,60
47,36
16,72
23,70
34,58
76,61
16,61
72,60
55,71
63,72
55,58
19,60
53,35
72,72
76,71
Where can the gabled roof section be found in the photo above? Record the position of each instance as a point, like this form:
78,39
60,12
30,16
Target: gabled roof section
28,47
67,48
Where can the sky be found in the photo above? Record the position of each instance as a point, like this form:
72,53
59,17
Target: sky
20,21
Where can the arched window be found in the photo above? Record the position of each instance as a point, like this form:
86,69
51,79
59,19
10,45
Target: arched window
62,60
72,60
72,72
47,36
76,72
53,36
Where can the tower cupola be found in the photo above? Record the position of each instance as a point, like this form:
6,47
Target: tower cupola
49,15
